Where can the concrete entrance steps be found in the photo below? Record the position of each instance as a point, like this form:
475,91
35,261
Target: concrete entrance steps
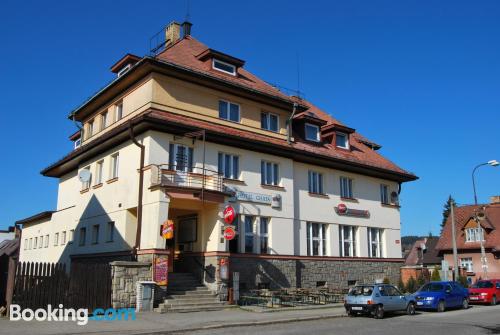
186,294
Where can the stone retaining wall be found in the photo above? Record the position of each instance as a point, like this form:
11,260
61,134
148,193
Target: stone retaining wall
124,276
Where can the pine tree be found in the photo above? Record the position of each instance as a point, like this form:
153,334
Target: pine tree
446,211
401,285
411,285
435,275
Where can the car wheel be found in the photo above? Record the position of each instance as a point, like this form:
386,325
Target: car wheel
465,304
440,307
494,300
379,312
410,310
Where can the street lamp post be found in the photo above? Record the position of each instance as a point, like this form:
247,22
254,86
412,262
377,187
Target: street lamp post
480,229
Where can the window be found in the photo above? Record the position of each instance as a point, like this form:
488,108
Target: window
315,182
83,237
30,244
269,121
46,244
63,238
347,241
86,184
224,67
229,111
95,234
342,140
40,242
104,120
118,111
249,233
474,234
229,166
90,128
264,235
77,142
316,239
346,187
124,70
375,242
35,244
180,158
110,232
234,244
56,238
384,194
269,173
312,132
115,165
25,243
98,172
467,264
71,236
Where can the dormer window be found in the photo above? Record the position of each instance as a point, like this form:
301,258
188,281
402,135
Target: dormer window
124,70
342,140
224,67
312,132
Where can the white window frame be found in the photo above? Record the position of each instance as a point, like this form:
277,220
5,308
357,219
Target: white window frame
346,140
46,244
375,237
71,236
315,182
124,70
229,103
77,143
35,242
90,128
30,243
275,169
56,239
351,240
86,184
322,239
25,244
118,111
346,187
99,171
63,237
215,60
474,234
466,262
268,121
318,134
384,194
221,165
104,120
40,242
114,166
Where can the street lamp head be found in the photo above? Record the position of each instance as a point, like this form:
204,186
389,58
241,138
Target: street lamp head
493,162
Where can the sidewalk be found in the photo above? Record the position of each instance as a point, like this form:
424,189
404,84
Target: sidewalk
150,322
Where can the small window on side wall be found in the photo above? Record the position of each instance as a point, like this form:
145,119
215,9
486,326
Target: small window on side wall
312,132
229,111
342,140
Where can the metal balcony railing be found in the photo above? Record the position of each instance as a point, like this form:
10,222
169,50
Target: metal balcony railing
186,177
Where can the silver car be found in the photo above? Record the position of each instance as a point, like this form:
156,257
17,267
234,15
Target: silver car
376,300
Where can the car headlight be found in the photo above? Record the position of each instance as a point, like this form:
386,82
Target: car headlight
429,298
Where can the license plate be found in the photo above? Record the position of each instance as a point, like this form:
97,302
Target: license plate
357,308
419,303
474,298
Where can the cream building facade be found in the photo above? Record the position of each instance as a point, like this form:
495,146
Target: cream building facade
185,133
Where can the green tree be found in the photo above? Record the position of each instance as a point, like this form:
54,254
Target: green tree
446,211
411,285
401,285
420,280
435,275
463,281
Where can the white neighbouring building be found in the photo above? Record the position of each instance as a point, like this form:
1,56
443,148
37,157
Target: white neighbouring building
184,133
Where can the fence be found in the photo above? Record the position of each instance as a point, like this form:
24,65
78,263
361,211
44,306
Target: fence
40,284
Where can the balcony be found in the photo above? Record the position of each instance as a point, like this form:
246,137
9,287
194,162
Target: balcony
192,179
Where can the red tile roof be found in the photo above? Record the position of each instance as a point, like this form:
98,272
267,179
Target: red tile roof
428,256
462,216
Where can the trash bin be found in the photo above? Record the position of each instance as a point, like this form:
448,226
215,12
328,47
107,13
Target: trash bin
145,295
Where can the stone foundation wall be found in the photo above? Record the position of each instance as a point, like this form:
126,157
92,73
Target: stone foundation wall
298,272
124,276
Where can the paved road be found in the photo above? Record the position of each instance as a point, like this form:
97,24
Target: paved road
476,320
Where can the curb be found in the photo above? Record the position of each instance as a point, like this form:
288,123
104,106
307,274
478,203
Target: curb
247,324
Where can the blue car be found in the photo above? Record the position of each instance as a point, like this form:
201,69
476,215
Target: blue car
442,295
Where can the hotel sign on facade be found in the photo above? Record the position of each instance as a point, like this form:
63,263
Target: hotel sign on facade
272,200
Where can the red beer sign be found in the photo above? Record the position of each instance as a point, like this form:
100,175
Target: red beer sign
229,233
229,214
342,209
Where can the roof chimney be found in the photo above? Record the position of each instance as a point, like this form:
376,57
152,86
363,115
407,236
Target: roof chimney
172,33
186,28
495,199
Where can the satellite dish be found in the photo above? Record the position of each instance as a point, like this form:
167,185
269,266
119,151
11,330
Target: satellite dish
84,175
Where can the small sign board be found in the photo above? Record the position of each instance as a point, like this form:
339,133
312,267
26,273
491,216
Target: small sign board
161,271
342,209
167,229
229,214
229,233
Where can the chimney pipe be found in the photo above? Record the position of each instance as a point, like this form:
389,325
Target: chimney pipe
172,33
186,28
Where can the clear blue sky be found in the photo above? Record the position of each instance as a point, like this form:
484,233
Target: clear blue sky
420,77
